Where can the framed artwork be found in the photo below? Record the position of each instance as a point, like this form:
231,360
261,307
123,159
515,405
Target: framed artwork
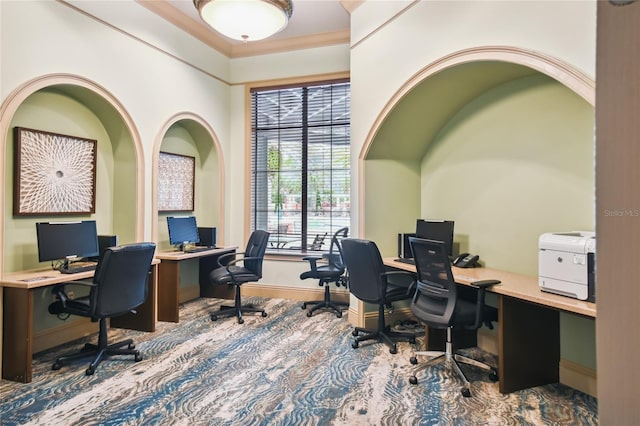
54,174
176,184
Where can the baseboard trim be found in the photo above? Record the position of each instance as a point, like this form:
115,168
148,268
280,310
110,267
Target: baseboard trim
51,337
579,377
302,293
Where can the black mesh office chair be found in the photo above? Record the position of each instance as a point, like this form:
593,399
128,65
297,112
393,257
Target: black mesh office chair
118,287
235,275
331,272
368,282
436,303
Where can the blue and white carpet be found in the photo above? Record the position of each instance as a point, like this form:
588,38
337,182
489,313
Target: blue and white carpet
285,369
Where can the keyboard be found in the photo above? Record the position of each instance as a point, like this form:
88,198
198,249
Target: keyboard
407,260
197,249
76,267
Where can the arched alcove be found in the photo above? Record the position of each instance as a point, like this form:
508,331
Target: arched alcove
73,105
391,159
501,141
189,134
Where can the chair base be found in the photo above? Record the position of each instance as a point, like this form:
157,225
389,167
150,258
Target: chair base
383,334
102,350
452,361
236,310
337,307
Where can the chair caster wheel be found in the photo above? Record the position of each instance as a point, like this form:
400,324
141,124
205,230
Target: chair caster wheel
304,306
240,321
493,376
131,346
354,333
214,317
56,366
138,357
90,371
413,380
264,315
413,360
355,344
339,314
393,349
309,314
466,392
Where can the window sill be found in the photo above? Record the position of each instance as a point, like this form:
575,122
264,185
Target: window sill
290,255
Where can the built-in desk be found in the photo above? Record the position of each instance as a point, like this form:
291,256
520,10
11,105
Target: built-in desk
528,325
169,277
18,335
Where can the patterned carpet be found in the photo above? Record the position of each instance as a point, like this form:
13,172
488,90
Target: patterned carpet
286,369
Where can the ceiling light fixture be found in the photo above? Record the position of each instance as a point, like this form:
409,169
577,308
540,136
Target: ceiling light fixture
246,20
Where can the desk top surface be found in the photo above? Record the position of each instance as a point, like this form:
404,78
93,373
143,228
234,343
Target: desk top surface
174,255
44,277
518,286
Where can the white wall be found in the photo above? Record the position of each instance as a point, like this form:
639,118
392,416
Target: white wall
45,37
386,57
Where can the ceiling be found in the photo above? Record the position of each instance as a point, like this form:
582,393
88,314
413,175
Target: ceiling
313,23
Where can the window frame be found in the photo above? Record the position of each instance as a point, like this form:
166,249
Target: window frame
335,78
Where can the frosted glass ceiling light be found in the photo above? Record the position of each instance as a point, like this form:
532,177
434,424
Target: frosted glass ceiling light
246,20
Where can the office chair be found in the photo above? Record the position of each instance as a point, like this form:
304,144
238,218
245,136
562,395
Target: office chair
317,242
118,287
436,303
368,282
332,272
235,275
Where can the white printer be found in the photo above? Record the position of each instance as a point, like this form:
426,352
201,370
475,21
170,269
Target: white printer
566,264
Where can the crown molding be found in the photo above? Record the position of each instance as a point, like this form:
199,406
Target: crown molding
202,32
263,47
197,29
351,5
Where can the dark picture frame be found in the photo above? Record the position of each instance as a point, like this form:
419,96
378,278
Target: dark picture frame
54,174
176,182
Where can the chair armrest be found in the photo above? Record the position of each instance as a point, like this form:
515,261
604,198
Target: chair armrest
226,256
411,275
481,286
313,262
61,294
484,283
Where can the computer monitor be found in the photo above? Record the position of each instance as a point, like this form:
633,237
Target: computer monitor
183,230
104,242
64,241
439,230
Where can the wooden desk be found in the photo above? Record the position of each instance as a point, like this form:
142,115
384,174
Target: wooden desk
169,277
528,325
19,289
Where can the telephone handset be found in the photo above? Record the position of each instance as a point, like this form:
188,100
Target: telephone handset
466,260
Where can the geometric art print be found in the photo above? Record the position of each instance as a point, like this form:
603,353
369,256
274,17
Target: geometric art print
176,175
54,174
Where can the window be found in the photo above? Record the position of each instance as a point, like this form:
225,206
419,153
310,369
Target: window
300,164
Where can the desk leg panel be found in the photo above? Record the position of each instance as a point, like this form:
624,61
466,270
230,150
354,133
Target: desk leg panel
529,345
17,343
145,317
168,284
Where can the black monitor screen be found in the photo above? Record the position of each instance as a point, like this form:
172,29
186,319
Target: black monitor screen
182,229
62,240
438,230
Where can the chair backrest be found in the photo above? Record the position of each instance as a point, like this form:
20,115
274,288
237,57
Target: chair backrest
334,257
256,246
365,267
435,298
317,242
121,279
